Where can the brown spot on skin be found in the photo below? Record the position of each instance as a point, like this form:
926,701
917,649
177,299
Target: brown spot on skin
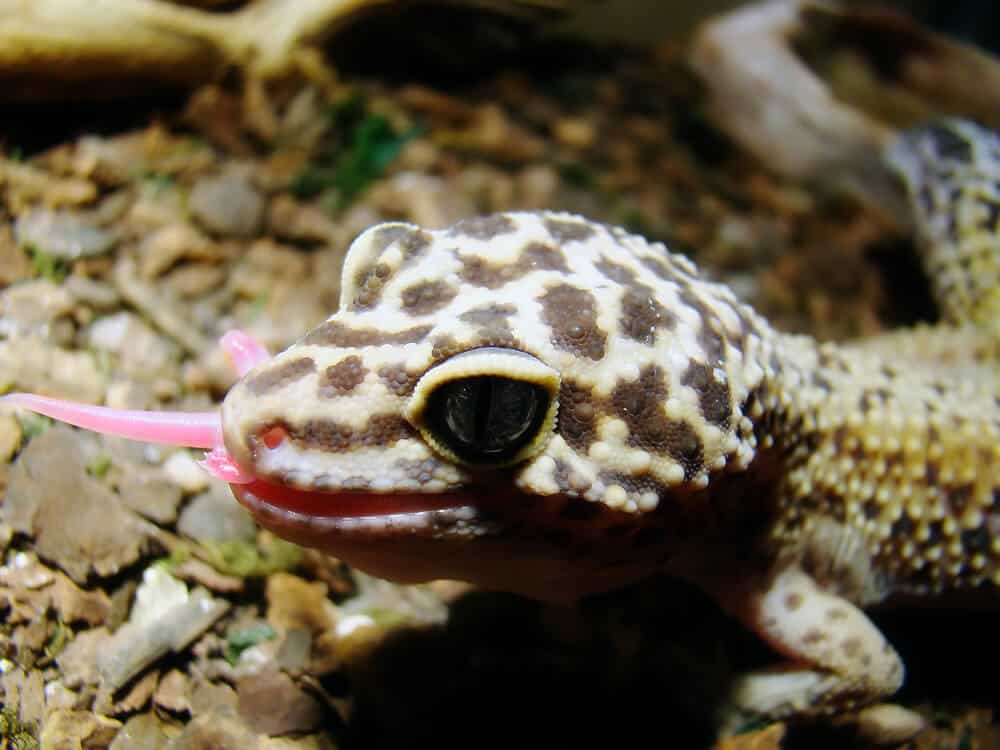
535,256
821,382
397,380
642,315
839,438
794,600
851,647
278,376
484,227
427,297
577,418
500,337
478,271
958,498
371,279
713,396
331,436
569,230
342,378
421,472
814,636
335,333
572,315
976,540
902,528
411,240
444,347
836,614
538,255
616,272
640,404
491,316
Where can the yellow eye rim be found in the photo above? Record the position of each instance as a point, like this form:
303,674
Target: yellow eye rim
489,361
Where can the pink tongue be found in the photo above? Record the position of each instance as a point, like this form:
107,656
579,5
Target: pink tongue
343,504
192,429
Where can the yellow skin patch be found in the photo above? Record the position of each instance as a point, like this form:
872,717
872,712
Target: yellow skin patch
656,424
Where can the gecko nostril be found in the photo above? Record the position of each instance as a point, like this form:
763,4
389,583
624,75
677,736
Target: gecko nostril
274,436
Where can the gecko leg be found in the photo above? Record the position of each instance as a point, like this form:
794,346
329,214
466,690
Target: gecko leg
841,661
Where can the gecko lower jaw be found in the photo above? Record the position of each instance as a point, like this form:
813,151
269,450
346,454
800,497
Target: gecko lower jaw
313,505
325,520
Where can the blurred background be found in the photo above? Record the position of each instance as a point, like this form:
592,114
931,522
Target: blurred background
976,21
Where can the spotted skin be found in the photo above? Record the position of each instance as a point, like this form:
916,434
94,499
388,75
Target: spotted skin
795,481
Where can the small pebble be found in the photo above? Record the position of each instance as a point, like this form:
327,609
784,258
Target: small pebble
182,469
61,234
228,205
212,516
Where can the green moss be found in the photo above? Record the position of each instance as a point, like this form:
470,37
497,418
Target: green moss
240,640
33,425
98,468
360,148
178,556
14,734
58,641
47,266
248,560
579,175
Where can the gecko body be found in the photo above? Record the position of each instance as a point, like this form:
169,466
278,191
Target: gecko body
543,404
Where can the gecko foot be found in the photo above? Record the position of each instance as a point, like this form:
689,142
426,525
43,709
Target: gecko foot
840,662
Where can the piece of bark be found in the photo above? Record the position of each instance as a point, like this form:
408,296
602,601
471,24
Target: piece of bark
79,49
767,98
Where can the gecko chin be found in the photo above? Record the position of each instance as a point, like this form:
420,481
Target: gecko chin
413,538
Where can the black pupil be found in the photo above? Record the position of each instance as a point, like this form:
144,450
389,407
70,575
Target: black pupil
486,418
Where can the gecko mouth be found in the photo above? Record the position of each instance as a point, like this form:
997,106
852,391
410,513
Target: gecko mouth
261,494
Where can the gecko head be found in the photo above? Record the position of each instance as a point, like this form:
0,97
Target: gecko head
535,382
529,401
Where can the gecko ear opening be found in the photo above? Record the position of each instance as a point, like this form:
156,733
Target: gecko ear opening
486,407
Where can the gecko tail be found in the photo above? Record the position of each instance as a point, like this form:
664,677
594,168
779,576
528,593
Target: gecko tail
191,429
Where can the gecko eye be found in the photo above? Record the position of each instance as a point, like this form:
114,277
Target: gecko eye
486,407
486,418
